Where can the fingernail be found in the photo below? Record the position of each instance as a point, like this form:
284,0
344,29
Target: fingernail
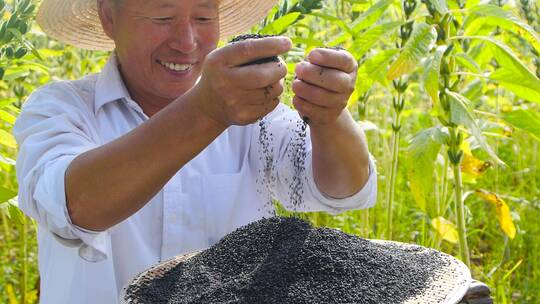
299,68
315,56
286,42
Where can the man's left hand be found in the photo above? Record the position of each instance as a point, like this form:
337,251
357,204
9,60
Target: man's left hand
324,84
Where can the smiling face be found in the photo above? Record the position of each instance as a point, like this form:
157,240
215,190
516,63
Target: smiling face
160,44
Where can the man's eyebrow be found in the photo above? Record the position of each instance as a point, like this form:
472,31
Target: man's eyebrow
208,4
166,4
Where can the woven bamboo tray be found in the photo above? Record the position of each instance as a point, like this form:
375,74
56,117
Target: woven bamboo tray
448,286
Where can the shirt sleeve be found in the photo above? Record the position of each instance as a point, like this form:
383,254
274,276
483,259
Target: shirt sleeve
284,142
55,125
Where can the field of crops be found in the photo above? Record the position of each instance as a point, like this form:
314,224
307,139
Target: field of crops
448,93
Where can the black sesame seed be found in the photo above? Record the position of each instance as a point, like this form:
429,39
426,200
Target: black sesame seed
285,260
255,36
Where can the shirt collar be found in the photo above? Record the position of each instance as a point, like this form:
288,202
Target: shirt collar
109,86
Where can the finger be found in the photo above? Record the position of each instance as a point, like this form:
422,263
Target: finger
264,95
327,78
318,96
336,59
259,75
314,113
242,52
306,110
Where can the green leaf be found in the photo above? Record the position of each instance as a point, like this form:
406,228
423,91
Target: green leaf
339,39
280,25
510,81
4,102
7,139
497,16
308,42
513,74
16,33
373,69
422,38
431,73
371,15
467,62
7,117
10,207
439,5
421,154
474,89
15,73
335,20
366,40
6,194
30,65
526,120
461,114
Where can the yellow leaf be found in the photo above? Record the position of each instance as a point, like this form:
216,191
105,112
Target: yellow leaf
446,229
470,164
32,296
11,294
502,211
466,147
473,166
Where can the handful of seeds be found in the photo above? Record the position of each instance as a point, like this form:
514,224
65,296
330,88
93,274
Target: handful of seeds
255,36
285,260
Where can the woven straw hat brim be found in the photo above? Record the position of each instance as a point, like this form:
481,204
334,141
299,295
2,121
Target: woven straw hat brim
76,22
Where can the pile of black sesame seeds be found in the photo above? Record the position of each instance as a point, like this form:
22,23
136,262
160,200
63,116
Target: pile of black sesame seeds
285,260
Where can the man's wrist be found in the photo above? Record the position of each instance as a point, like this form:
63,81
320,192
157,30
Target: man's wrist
194,99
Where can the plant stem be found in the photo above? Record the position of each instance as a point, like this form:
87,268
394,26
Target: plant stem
393,171
460,214
444,185
24,257
7,233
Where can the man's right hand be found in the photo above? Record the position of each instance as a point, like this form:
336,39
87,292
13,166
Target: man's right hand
232,94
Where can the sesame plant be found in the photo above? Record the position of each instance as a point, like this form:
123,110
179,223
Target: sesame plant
400,85
15,23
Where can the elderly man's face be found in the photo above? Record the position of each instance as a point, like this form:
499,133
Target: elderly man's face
161,44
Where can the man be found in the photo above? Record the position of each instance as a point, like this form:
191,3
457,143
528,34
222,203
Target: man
160,153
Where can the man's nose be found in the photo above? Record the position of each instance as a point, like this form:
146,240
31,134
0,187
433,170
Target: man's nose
183,37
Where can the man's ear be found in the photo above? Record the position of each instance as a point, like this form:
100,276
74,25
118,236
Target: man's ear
105,11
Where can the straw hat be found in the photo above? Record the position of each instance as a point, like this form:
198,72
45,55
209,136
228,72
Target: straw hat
76,22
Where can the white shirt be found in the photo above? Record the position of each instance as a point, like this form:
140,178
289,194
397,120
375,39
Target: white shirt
216,192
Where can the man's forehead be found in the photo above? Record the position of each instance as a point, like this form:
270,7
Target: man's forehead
174,3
